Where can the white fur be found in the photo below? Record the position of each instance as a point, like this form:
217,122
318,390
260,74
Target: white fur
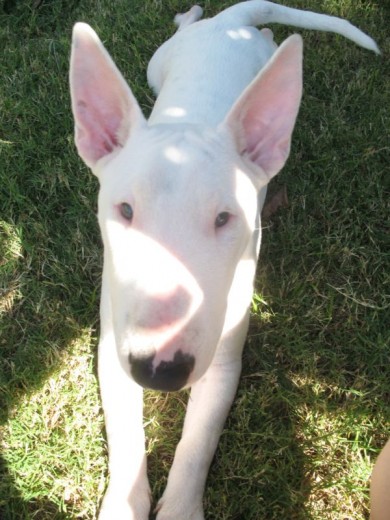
177,286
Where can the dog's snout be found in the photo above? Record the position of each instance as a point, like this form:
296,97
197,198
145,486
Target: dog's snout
167,376
159,312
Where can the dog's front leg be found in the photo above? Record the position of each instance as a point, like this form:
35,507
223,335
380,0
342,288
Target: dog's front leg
209,404
128,495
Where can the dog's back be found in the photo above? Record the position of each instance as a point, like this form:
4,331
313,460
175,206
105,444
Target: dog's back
210,62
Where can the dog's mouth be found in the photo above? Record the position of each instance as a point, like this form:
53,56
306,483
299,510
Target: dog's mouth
167,376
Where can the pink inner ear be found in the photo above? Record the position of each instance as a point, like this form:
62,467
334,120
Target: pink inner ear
99,134
103,106
268,135
263,118
97,126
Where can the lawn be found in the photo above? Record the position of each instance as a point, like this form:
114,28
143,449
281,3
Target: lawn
313,406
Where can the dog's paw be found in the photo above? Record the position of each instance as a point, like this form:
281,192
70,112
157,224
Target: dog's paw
122,511
179,510
115,506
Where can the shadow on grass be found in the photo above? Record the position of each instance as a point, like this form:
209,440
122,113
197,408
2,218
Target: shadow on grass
47,295
28,367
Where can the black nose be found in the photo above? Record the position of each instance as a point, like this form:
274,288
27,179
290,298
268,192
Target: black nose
168,376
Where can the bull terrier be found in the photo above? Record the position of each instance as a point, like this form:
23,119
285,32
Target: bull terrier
179,211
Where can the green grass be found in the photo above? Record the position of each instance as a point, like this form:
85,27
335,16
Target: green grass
312,409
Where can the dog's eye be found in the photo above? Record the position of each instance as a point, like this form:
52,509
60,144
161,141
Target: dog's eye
222,219
126,211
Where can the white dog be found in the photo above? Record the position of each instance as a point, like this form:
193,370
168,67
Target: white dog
179,210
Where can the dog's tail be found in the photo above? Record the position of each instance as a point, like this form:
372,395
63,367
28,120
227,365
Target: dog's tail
259,12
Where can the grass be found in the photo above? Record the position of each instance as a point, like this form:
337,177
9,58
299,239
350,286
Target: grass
312,409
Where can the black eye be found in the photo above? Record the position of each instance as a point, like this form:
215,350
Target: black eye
126,211
222,219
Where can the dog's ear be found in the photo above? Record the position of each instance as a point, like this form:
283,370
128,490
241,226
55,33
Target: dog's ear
104,108
263,118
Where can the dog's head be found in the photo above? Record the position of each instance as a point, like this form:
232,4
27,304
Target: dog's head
178,208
